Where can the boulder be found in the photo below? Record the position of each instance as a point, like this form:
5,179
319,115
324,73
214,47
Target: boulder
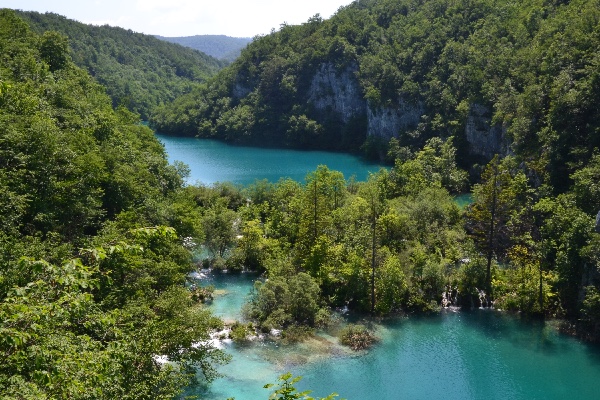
598,222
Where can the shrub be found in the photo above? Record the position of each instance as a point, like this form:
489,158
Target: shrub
241,332
296,333
357,337
202,294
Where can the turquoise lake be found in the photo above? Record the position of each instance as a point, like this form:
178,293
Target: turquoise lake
471,354
213,161
477,354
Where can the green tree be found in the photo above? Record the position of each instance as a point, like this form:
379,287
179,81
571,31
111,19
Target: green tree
54,50
324,192
586,187
372,193
218,224
287,391
487,217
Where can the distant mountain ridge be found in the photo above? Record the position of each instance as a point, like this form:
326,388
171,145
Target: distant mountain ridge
139,71
223,47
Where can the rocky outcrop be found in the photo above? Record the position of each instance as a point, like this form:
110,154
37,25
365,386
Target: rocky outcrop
485,139
338,92
597,228
390,122
240,91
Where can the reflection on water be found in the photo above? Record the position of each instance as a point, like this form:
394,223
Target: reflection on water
480,354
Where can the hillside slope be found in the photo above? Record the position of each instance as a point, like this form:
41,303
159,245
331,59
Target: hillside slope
223,47
499,76
139,71
88,268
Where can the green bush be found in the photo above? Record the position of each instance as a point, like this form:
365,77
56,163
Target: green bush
357,337
241,332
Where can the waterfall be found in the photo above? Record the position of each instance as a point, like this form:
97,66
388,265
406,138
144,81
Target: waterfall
450,296
483,299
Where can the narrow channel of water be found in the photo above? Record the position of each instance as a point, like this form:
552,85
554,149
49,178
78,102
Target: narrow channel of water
479,354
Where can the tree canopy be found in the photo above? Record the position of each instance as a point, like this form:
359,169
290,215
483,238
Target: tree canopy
138,71
92,276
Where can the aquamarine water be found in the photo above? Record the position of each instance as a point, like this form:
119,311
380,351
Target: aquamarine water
479,354
213,161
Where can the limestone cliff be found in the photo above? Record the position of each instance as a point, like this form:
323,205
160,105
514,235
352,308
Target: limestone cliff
338,93
485,140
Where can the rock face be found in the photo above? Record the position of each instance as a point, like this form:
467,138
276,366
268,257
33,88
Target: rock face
240,91
390,122
598,222
338,92
484,139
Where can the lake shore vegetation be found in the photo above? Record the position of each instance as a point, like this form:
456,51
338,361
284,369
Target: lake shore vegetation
98,232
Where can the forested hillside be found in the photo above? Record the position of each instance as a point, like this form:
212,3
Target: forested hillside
91,271
506,90
139,71
500,76
223,47
98,230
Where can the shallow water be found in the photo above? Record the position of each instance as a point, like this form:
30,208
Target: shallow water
479,354
213,161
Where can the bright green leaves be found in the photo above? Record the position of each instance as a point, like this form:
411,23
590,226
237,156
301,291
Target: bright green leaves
59,340
434,165
218,224
587,186
46,323
285,300
494,200
286,390
54,50
74,173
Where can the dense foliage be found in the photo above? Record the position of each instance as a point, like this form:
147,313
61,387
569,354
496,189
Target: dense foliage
139,71
98,230
397,242
532,65
91,276
223,47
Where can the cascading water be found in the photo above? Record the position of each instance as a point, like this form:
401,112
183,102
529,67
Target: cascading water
450,296
483,299
525,359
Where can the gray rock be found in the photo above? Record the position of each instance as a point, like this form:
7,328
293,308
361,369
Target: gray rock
240,90
598,222
485,139
337,91
390,122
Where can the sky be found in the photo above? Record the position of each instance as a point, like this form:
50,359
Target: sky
237,18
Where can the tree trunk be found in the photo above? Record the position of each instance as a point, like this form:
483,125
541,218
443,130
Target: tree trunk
373,247
491,237
541,298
